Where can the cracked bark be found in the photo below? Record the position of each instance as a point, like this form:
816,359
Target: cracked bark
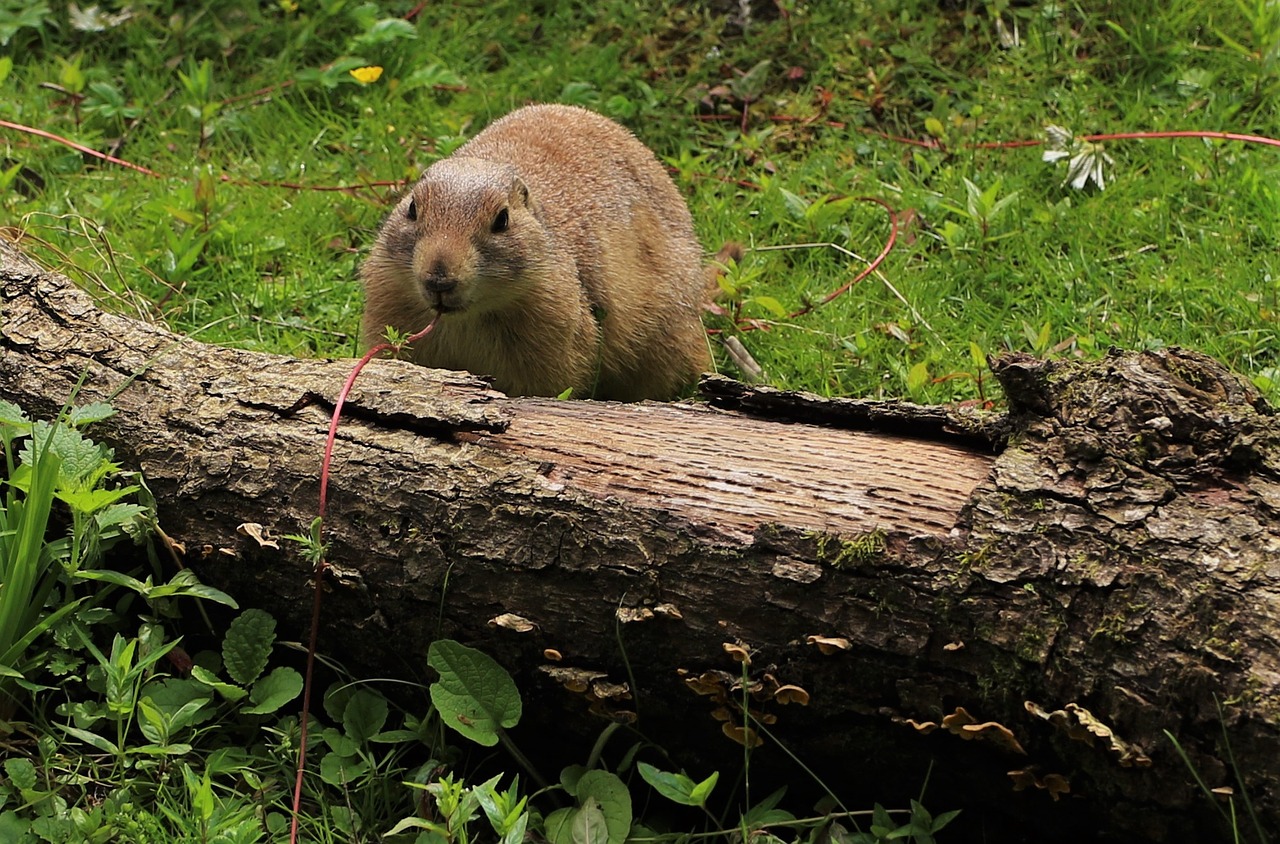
1112,559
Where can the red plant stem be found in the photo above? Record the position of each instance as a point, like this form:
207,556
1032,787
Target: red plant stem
323,564
1222,136
876,262
40,133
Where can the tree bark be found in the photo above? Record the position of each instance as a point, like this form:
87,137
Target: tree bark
1063,583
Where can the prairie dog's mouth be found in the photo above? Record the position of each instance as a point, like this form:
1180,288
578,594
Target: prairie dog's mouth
443,303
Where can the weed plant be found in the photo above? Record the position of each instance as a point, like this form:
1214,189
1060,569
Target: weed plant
248,109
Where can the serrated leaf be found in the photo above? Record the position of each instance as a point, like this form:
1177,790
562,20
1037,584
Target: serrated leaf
118,514
614,801
11,414
90,501
475,695
274,691
90,413
247,645
21,772
365,715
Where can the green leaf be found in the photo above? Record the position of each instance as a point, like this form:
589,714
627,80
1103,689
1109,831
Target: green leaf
474,695
274,691
339,742
975,353
795,205
675,787
589,824
614,800
702,790
91,501
10,413
248,645
365,715
771,305
226,690
91,739
118,514
21,772
90,413
342,770
558,827
917,376
12,827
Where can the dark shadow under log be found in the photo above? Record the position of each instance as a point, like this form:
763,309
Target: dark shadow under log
1048,605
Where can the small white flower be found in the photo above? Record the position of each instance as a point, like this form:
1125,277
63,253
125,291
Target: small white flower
1089,161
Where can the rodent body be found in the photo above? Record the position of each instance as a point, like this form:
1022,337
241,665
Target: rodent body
558,253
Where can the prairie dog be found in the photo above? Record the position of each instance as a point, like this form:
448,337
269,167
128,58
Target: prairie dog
558,253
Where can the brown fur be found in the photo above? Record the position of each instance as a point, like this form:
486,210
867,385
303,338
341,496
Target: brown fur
596,283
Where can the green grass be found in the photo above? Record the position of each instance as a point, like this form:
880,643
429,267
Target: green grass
1178,249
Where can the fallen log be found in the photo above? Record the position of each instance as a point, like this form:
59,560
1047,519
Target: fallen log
1060,586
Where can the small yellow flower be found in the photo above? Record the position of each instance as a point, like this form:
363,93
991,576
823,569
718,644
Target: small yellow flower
288,6
366,75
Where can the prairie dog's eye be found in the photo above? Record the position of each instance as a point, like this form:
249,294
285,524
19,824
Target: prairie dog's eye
501,222
412,211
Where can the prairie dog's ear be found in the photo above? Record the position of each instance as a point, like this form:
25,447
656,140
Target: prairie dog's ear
520,192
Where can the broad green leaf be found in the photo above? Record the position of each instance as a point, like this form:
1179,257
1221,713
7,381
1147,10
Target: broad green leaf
614,800
21,772
11,414
339,742
342,770
248,645
590,825
90,413
675,787
118,514
365,715
273,691
474,695
558,827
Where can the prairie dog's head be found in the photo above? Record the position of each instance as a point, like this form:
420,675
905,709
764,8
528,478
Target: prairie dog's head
465,238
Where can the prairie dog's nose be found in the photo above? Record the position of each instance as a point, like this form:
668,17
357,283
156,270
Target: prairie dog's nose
438,281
